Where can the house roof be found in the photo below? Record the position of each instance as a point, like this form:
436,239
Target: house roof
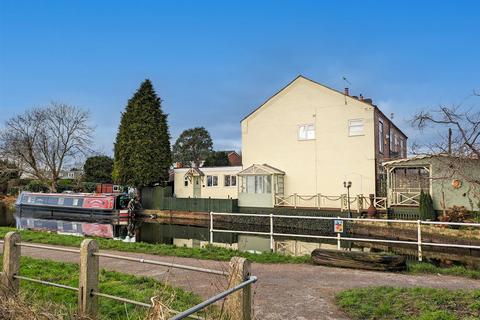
194,172
426,156
260,169
319,84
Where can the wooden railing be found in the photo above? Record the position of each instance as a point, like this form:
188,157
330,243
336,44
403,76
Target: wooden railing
358,203
405,198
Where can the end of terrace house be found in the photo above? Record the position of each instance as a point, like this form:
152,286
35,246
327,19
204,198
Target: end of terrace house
302,143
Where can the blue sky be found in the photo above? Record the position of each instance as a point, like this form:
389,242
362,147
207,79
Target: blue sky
212,62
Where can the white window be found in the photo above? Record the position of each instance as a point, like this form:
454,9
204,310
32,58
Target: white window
306,132
230,181
380,136
71,175
355,127
257,184
185,181
212,181
392,141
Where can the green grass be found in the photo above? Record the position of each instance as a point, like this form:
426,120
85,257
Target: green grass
424,267
114,283
387,303
207,253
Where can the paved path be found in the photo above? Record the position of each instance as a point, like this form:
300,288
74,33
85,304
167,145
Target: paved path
284,291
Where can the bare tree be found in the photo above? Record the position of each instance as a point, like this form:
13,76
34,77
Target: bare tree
41,141
461,130
456,142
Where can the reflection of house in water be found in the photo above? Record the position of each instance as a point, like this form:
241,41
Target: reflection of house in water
449,180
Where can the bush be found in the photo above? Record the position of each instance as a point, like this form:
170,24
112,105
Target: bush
457,214
427,212
36,186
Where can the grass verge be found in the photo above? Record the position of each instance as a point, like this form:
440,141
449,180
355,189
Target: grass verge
114,283
207,253
388,303
424,267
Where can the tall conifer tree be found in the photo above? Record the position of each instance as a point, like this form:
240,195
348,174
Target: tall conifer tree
142,147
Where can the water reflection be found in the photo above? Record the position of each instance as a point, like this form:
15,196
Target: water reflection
198,236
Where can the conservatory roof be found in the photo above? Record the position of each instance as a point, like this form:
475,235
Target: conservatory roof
260,169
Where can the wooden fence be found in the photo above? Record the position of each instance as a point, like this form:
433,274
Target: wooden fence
159,198
238,305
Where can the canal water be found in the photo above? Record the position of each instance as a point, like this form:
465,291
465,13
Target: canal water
198,236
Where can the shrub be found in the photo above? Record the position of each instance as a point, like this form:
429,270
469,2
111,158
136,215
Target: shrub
36,186
457,214
427,212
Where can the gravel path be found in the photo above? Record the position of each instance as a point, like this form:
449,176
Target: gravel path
284,291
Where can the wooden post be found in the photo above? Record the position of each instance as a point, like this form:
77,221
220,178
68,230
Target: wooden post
89,270
239,304
11,263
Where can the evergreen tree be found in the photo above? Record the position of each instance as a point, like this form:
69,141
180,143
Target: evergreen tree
193,146
142,146
98,169
217,159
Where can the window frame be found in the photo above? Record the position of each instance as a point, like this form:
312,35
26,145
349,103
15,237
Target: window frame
381,136
232,180
306,125
350,126
213,181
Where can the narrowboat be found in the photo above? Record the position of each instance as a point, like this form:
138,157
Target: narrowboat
105,215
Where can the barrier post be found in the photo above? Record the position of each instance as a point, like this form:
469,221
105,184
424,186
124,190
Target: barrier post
211,227
271,233
11,263
88,281
239,304
419,239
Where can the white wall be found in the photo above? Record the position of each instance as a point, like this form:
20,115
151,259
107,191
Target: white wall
217,192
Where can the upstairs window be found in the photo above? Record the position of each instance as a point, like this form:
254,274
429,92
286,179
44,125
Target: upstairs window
306,132
381,134
185,181
212,181
355,127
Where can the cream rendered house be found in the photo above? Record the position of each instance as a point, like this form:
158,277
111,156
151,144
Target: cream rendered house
308,139
206,182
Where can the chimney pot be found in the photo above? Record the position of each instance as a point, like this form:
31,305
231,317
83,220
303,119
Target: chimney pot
346,92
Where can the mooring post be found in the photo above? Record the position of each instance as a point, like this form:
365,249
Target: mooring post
88,282
211,227
239,303
419,238
11,263
272,244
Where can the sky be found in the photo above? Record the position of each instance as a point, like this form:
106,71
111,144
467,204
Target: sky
212,62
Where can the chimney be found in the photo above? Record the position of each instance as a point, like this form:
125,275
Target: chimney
361,97
345,92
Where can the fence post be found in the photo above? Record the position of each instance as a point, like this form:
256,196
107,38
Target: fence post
88,282
239,303
272,247
11,263
295,200
211,227
319,200
419,239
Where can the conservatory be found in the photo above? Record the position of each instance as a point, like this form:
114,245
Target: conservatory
258,186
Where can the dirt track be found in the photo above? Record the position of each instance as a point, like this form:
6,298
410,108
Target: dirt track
284,291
